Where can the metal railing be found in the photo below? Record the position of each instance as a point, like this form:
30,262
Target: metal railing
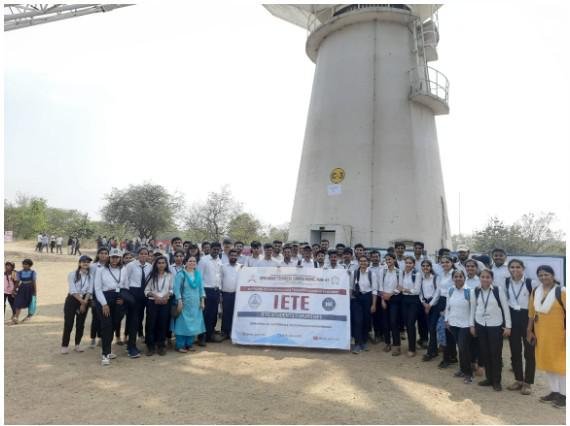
429,81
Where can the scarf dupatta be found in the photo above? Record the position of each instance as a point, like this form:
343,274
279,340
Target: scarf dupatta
192,282
543,306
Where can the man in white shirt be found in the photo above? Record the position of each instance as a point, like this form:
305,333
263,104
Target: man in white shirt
400,249
377,324
255,258
463,255
419,255
347,262
230,274
288,261
499,268
210,268
59,245
267,256
227,246
39,243
277,256
238,245
333,260
307,261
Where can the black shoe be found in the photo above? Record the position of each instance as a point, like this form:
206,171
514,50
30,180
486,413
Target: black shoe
560,401
497,388
422,344
453,361
201,342
443,364
485,382
428,357
550,397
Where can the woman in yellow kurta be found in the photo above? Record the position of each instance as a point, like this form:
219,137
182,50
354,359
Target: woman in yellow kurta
546,329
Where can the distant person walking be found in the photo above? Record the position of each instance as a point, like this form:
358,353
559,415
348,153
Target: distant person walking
39,243
51,243
77,245
9,285
59,245
45,243
70,245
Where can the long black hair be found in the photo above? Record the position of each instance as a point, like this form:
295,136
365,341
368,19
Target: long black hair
78,274
99,251
197,255
153,276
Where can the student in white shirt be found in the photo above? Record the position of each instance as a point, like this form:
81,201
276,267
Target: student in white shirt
239,248
276,254
472,272
210,268
320,259
410,281
255,258
101,260
80,291
229,285
178,264
459,312
158,290
419,255
347,262
288,261
399,250
491,321
267,260
377,323
444,283
137,273
390,289
518,289
307,261
429,299
59,244
333,260
109,281
422,317
362,304
227,245
499,268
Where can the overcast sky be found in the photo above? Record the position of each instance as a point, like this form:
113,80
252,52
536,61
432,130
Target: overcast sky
196,95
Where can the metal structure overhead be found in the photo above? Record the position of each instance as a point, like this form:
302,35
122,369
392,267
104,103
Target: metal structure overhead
18,16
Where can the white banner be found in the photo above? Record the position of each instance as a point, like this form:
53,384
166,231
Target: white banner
292,307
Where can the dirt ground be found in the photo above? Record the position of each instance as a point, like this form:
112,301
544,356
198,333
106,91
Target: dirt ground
224,383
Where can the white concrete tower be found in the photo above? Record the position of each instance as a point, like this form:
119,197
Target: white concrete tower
370,170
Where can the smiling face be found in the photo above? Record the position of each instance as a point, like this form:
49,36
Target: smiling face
499,258
516,270
458,279
546,278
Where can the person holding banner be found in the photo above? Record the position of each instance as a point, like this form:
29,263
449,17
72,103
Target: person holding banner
362,304
190,297
390,288
547,332
230,274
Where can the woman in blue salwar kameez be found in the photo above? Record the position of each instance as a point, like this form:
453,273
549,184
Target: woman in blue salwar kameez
189,295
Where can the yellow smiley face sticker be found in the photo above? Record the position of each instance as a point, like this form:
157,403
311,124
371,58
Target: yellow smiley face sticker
337,175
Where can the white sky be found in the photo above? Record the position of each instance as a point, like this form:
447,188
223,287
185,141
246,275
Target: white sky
195,95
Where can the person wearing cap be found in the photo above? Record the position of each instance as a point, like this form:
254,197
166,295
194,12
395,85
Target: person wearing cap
109,281
210,268
499,267
307,261
462,257
137,274
26,281
254,259
227,245
80,290
267,260
9,285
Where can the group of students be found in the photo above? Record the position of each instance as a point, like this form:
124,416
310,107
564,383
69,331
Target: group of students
463,306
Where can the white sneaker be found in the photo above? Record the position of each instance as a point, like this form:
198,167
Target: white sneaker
105,360
64,350
92,344
79,348
111,356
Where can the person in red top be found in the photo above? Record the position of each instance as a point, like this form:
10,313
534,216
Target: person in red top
9,284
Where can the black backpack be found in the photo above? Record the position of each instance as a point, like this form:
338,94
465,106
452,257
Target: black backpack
356,280
527,282
495,291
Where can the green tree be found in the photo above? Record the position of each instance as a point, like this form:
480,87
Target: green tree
244,227
280,233
147,209
27,217
211,220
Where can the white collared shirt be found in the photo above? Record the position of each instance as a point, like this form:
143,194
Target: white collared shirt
310,264
211,271
225,258
458,310
292,263
389,280
410,282
134,273
109,279
352,266
445,282
175,269
83,286
161,287
230,276
472,282
500,274
364,283
491,315
428,289
252,261
278,258
518,290
267,263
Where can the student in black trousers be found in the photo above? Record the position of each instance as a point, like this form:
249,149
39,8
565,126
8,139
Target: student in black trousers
390,289
80,289
518,289
491,321
159,288
410,301
429,301
101,260
362,304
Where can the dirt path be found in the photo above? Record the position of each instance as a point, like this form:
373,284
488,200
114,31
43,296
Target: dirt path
229,384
